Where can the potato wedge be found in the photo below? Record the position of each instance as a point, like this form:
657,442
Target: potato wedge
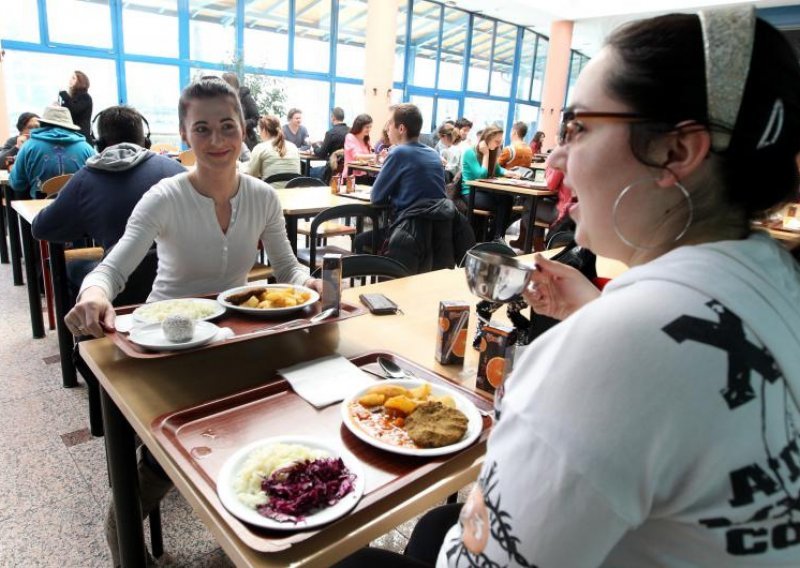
372,399
400,404
421,392
251,302
389,390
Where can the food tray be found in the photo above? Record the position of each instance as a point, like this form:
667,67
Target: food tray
199,439
244,326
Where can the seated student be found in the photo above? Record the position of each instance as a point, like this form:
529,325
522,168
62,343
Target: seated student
334,140
517,153
439,146
26,122
294,131
449,139
536,142
206,223
100,197
411,182
55,149
464,126
357,148
274,155
480,162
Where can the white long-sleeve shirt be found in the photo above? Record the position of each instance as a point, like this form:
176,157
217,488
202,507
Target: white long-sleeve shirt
194,256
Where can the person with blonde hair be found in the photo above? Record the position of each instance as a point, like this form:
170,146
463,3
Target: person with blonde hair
274,155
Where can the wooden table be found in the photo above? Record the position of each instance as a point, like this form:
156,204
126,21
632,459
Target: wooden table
534,190
306,158
135,392
12,222
25,211
369,168
305,202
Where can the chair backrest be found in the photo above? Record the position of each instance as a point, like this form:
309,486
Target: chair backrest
356,210
187,158
559,239
303,181
491,246
360,265
54,184
164,148
140,282
284,176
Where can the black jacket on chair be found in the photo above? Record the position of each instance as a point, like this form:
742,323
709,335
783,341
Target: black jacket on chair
430,235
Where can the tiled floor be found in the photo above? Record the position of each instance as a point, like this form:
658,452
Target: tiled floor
53,484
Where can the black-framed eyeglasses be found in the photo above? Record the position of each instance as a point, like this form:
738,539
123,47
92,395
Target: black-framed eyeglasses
572,121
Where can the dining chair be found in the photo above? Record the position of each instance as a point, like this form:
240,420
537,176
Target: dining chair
53,185
330,228
187,158
377,268
276,179
312,256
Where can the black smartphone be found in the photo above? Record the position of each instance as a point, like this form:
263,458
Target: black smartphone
378,304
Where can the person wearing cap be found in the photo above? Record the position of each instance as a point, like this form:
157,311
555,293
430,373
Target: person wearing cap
26,122
55,149
657,424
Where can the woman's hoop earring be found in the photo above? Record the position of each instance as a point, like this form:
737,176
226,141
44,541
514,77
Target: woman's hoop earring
624,192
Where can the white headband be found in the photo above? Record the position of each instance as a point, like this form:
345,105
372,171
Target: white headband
728,46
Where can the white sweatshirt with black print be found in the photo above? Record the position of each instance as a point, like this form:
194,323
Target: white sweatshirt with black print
657,426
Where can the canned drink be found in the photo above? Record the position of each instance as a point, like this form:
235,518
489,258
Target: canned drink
497,348
331,282
451,339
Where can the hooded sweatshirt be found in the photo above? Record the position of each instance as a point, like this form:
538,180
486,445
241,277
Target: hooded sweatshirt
51,151
656,426
99,198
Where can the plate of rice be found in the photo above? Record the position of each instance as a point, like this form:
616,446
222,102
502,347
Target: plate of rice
290,483
199,309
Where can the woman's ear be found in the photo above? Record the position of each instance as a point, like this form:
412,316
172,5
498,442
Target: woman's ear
683,152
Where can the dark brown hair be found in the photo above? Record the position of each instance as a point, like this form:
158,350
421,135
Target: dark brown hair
661,75
520,128
292,112
450,132
272,126
81,84
232,79
487,134
409,116
358,125
208,88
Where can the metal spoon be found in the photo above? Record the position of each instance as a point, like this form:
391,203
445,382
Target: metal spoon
324,314
394,370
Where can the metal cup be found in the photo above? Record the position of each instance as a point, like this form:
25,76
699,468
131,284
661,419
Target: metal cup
496,277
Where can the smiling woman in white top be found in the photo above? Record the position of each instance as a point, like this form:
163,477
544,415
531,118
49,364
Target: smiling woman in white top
206,223
275,155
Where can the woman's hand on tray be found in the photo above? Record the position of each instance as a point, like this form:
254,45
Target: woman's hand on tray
92,315
315,284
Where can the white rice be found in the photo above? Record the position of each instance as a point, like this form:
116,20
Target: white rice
260,464
158,311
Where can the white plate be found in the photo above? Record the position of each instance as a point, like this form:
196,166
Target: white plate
151,336
140,313
231,502
267,312
474,426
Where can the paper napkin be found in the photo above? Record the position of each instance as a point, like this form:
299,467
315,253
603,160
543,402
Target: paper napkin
324,381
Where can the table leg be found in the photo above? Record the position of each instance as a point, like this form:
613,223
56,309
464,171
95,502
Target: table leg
13,237
528,245
34,298
470,203
58,270
3,231
121,458
291,232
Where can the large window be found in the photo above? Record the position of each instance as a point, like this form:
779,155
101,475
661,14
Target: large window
351,99
38,77
150,27
480,55
212,31
400,42
311,97
22,22
62,16
446,109
484,112
425,105
454,39
158,105
538,68
352,38
505,46
266,34
528,114
312,35
424,43
577,61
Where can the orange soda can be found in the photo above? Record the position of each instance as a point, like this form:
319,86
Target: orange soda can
497,347
451,339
